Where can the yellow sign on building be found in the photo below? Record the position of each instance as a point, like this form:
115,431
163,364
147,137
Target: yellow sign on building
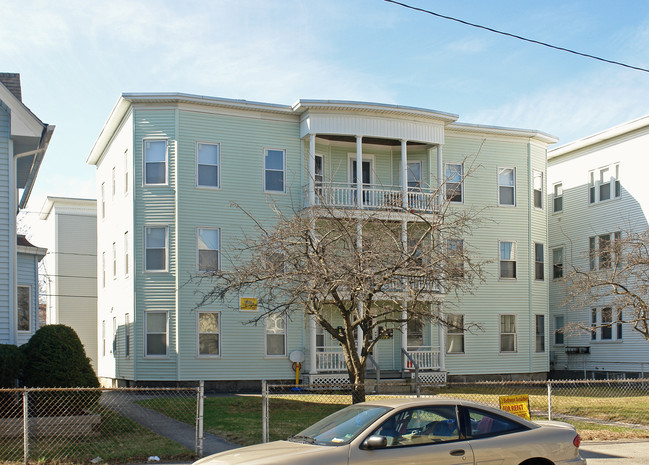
518,405
248,304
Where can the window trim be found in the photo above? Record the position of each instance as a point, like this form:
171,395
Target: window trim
114,260
367,157
501,168
126,254
534,190
554,263
218,265
501,334
542,262
420,181
556,187
615,328
595,183
461,183
198,335
266,333
127,335
595,259
537,334
456,333
166,248
103,200
558,330
218,166
265,154
515,260
126,166
146,333
144,162
30,309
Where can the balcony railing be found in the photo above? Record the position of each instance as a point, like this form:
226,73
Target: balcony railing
375,197
426,357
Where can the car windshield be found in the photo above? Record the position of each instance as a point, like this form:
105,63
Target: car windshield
342,426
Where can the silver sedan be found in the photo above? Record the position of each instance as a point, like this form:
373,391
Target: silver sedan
438,431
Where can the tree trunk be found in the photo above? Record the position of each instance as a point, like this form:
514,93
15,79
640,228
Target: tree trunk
358,388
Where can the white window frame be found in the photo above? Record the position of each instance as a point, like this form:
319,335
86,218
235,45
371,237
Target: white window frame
537,261
514,260
218,165
103,200
283,171
604,175
146,334
447,177
114,260
126,253
369,157
127,335
218,250
103,269
114,336
166,248
103,338
166,162
557,195
555,263
501,169
266,334
113,183
536,174
198,334
515,333
29,308
126,172
595,259
421,174
558,330
455,333
597,320
451,246
539,336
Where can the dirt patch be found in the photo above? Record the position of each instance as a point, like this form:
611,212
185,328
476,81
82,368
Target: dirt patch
605,435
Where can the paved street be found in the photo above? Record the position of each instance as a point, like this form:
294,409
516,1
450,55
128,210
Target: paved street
615,452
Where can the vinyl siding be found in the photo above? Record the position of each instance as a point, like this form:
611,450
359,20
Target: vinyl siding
6,233
27,267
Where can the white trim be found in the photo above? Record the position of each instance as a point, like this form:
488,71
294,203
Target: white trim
445,180
198,335
498,170
157,139
543,201
351,157
218,166
515,260
265,154
146,333
144,264
218,265
500,333
285,354
545,334
30,310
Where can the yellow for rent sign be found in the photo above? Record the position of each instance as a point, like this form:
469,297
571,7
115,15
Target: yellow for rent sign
518,405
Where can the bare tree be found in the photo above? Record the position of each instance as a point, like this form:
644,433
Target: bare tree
617,277
356,271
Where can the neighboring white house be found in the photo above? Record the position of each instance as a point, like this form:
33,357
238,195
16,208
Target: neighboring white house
71,267
597,189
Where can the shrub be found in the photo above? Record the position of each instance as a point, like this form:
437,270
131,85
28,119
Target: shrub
56,358
12,363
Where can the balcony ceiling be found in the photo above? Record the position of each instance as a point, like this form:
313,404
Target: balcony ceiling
369,140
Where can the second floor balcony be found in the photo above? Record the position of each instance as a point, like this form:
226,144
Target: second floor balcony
374,197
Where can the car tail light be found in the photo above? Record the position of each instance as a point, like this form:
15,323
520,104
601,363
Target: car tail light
577,441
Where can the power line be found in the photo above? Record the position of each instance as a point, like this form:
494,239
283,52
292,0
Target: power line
518,37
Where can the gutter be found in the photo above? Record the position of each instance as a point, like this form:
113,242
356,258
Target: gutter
46,136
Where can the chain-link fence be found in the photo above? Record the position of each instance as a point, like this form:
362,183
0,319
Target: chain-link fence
80,425
602,409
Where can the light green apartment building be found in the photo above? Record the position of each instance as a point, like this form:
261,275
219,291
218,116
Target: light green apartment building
169,167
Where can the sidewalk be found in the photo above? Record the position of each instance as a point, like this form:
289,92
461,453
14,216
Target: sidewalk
615,452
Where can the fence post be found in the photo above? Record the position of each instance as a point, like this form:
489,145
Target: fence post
264,411
549,400
25,426
200,411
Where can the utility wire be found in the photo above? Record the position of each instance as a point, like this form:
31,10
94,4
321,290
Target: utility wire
518,37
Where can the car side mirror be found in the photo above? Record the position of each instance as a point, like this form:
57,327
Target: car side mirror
375,442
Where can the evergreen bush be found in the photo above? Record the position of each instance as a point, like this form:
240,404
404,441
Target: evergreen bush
12,363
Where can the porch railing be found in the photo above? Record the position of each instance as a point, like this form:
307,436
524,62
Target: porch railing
426,357
330,360
375,197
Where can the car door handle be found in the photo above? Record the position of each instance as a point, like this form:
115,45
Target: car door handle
457,452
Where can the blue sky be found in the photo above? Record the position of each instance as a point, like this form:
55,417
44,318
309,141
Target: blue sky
76,58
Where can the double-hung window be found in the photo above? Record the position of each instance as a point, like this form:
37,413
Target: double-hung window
114,260
540,333
604,250
127,335
507,259
274,170
24,308
508,333
539,262
207,165
455,261
604,184
454,174
156,329
559,323
538,188
557,263
507,186
155,161
455,334
155,245
208,249
102,194
209,331
275,336
414,175
606,324
557,199
126,249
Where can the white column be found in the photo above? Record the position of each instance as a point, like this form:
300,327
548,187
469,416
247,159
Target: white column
359,171
441,336
313,369
311,169
404,173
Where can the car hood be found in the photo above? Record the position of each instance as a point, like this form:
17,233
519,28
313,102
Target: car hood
278,452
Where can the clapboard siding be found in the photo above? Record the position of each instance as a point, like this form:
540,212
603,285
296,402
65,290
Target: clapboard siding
6,232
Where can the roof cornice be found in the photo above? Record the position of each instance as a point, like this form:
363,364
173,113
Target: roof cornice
504,131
